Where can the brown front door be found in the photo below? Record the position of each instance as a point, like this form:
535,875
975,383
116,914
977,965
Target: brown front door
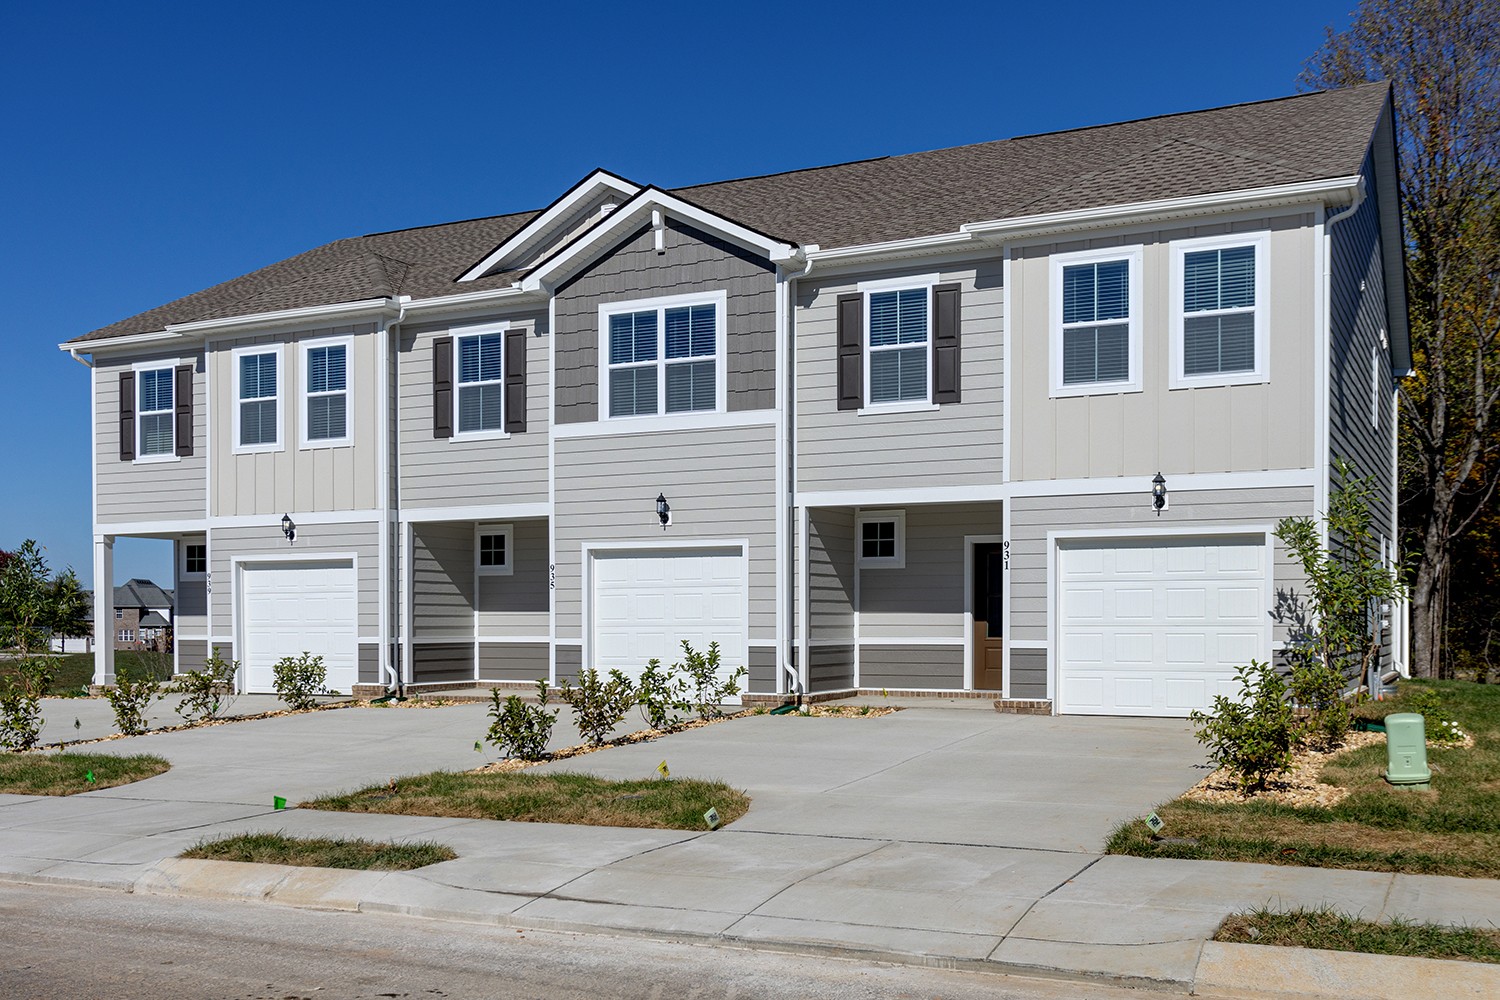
989,647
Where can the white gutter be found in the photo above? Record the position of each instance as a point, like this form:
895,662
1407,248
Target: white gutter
338,310
469,299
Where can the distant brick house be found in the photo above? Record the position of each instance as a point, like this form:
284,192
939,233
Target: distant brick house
143,620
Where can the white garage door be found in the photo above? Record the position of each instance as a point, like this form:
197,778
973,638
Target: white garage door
1157,628
646,603
286,608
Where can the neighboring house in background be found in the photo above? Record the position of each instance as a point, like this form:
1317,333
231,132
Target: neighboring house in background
141,619
891,424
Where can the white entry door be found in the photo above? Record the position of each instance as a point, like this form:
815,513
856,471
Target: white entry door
1158,627
289,608
646,602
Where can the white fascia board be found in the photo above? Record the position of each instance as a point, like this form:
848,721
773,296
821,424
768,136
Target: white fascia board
636,212
473,300
132,340
289,317
893,248
599,180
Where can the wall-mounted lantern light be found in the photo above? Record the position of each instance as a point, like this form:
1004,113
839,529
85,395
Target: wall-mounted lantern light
1158,493
288,528
663,510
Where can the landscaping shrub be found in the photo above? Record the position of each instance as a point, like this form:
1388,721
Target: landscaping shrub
1253,737
661,693
299,680
598,705
1319,689
132,695
21,703
708,691
208,692
518,729
1439,723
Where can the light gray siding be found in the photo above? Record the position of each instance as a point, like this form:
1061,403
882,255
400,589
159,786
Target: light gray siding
512,661
569,661
1028,673
830,668
694,261
720,483
442,662
926,598
296,479
369,663
761,676
1200,429
163,490
911,667
314,542
441,472
518,604
958,444
190,654
442,599
830,547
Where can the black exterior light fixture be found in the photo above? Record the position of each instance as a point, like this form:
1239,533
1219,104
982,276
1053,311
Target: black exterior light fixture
288,528
1159,493
663,510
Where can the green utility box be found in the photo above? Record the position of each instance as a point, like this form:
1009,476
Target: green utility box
1406,750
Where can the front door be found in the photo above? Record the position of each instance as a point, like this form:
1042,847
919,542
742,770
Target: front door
989,647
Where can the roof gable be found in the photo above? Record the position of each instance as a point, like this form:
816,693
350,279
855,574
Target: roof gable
579,208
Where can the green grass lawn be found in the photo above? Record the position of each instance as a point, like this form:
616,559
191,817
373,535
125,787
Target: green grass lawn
73,672
1451,829
582,799
67,773
1335,932
320,852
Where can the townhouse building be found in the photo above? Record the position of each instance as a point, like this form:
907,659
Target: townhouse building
1014,419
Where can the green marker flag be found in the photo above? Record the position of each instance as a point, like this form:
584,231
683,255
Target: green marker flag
277,802
477,747
89,776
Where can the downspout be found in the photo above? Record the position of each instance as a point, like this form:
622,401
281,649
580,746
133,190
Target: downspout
796,676
73,352
390,379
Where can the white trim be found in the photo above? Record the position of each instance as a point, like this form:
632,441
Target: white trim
876,287
237,594
367,515
784,285
1375,392
968,584
168,365
468,301
804,596
863,562
1322,346
900,497
476,512
539,228
905,406
1181,482
281,379
660,304
457,334
507,568
303,393
1007,361
1026,643
551,490
513,639
1177,378
147,529
899,283
183,573
690,420
1133,256
293,318
408,613
930,640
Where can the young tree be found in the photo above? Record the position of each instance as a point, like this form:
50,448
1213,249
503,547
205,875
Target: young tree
1442,58
33,606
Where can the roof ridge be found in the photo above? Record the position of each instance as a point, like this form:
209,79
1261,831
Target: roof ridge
452,222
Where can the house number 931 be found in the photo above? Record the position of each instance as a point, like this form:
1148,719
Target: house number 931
1005,554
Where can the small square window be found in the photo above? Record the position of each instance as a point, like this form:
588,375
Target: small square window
878,540
492,550
194,560
492,555
881,537
119,614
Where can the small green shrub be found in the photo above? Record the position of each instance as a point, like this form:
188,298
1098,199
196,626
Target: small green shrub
598,705
662,696
1439,723
518,729
21,702
1319,688
299,680
206,693
707,690
1253,737
132,695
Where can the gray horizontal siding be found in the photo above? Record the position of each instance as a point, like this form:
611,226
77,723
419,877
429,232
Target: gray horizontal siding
830,569
442,603
1028,673
147,491
959,444
434,662
926,598
369,663
830,668
315,542
190,654
761,678
569,661
694,261
911,667
519,604
512,661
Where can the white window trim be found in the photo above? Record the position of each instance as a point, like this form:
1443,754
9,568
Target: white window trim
125,635
303,394
170,366
1134,257
720,301
234,395
479,330
183,573
898,561
924,281
508,533
1261,241
1375,386
119,614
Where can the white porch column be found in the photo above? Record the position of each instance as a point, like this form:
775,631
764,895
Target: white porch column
406,601
104,609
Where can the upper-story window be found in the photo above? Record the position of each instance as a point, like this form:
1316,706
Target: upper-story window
325,397
663,356
1220,311
899,344
481,382
154,412
1096,324
257,412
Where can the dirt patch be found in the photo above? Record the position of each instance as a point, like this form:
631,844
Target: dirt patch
852,711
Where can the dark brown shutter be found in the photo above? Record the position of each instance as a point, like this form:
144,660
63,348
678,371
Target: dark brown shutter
851,351
182,396
946,358
127,416
515,381
442,387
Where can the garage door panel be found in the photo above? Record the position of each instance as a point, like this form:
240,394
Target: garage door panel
287,609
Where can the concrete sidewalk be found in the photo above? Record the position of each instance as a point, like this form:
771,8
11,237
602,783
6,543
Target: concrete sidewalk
960,838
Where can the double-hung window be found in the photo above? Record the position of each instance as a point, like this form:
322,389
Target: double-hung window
154,413
481,382
257,414
325,399
1220,311
663,356
1096,324
899,342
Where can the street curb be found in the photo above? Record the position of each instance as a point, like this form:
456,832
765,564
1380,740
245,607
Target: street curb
1258,970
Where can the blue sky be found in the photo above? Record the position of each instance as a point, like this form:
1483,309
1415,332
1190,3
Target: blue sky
155,149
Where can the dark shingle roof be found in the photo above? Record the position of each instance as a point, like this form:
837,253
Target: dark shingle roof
1283,141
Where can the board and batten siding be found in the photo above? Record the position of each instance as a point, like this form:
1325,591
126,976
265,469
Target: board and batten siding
155,490
315,543
926,598
443,472
296,479
721,483
694,261
958,444
1193,430
1211,511
519,603
442,582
